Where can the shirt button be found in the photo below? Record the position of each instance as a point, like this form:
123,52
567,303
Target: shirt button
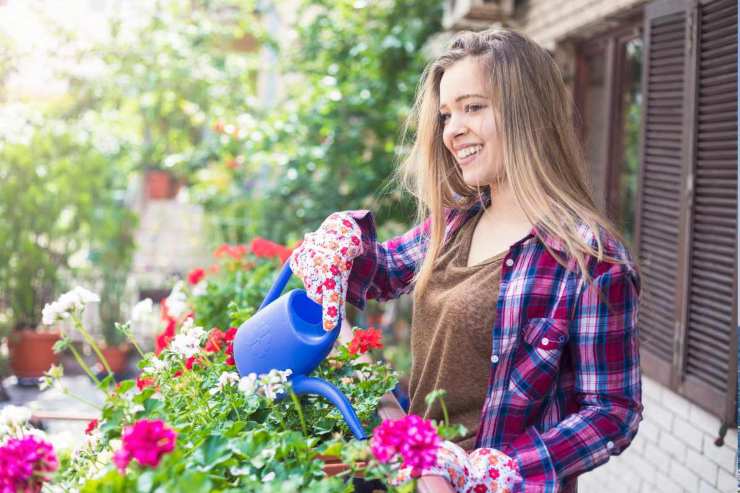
494,358
609,445
509,262
545,341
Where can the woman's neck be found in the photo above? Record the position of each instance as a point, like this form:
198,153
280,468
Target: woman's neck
504,207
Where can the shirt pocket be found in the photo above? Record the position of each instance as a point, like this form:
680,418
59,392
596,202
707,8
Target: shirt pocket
537,363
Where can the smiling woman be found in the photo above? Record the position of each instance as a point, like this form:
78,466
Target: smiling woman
525,296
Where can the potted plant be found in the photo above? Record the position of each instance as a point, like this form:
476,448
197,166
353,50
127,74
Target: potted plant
112,255
55,182
160,184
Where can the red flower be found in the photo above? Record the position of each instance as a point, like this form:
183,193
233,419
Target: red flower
332,311
196,275
193,361
169,330
178,373
230,334
229,339
163,340
233,251
355,240
347,223
330,283
365,340
494,473
268,249
480,488
91,426
334,270
144,382
215,341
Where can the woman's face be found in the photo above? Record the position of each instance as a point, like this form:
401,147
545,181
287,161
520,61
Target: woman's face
469,130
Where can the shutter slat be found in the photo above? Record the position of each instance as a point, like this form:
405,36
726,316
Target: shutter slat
726,28
715,10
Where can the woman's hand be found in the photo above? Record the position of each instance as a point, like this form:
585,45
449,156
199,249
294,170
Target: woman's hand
483,470
323,261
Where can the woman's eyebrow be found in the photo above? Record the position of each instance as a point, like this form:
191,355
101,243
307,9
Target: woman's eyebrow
464,96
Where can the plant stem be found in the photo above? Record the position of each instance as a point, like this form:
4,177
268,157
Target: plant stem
83,365
444,411
298,408
66,391
136,345
88,338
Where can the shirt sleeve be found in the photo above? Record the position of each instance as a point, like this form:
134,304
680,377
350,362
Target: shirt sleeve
605,353
385,270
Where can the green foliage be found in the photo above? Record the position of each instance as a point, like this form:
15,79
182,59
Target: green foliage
331,143
57,199
229,438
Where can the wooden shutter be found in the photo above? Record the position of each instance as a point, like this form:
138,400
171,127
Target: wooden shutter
687,215
708,370
664,162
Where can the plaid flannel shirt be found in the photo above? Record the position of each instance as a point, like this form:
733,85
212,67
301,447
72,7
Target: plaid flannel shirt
564,382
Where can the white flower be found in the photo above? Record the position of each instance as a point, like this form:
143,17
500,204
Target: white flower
157,366
177,301
248,384
71,301
268,477
226,378
14,417
187,342
185,345
141,310
190,329
272,384
200,288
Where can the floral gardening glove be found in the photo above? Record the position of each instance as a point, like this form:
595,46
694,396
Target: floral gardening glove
483,470
323,261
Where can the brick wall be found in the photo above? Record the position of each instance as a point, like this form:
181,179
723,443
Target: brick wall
673,451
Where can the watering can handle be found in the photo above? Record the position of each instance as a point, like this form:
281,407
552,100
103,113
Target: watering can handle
278,286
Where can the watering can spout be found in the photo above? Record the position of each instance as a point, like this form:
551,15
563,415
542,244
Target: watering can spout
309,385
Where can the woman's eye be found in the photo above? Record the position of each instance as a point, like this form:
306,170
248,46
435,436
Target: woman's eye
473,107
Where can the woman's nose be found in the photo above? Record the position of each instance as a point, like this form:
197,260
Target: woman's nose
456,126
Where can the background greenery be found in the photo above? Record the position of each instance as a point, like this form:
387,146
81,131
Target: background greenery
176,88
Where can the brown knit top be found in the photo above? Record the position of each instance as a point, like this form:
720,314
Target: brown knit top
451,334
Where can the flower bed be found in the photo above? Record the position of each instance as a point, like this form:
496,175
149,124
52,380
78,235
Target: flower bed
189,422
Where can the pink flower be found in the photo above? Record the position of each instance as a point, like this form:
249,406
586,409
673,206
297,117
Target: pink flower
146,441
411,437
24,463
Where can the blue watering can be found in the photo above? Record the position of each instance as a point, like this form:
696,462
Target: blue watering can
287,333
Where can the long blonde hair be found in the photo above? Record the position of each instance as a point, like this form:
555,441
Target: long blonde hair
542,157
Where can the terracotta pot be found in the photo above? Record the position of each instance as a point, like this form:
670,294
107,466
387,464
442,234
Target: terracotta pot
333,466
117,357
31,352
160,184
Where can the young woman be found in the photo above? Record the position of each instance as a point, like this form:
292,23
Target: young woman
525,297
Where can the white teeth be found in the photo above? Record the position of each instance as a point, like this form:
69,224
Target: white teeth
468,151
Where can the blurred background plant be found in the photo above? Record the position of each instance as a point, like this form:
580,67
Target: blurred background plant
179,87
